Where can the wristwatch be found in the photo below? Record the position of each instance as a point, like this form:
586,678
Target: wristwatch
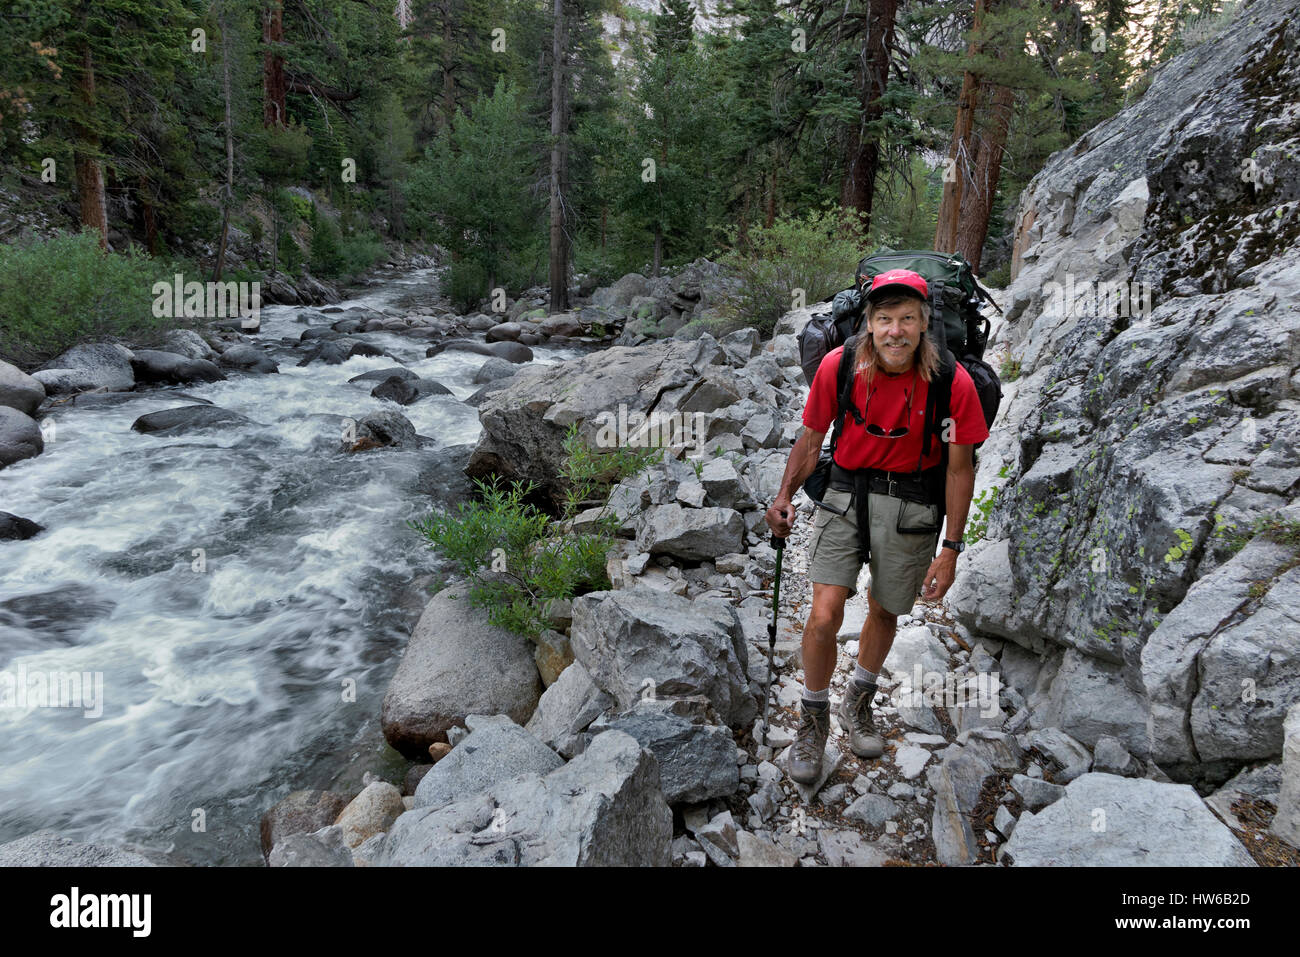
957,547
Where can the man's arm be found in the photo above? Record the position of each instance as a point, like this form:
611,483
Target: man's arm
959,489
802,463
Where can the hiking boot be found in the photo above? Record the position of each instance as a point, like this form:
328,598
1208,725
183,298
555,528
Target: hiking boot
806,753
855,718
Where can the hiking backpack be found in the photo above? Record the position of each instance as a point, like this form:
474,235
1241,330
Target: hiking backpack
957,328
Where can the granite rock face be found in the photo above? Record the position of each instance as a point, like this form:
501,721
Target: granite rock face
1155,271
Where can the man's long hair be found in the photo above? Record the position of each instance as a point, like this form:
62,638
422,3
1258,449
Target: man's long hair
867,359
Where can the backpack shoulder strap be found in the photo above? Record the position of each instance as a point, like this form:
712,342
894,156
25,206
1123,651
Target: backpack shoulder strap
938,406
844,391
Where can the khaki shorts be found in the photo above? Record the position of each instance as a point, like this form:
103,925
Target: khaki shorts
898,559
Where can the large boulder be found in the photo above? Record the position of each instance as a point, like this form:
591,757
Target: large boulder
187,418
1206,654
1104,820
245,357
641,642
603,808
691,534
188,343
151,365
381,430
96,365
567,709
696,761
457,664
20,436
17,528
525,423
20,391
495,750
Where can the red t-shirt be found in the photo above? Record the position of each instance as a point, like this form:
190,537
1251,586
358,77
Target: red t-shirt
858,449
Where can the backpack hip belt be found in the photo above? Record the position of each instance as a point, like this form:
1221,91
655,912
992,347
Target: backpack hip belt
909,486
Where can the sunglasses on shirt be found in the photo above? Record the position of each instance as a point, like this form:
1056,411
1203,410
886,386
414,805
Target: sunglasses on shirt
898,431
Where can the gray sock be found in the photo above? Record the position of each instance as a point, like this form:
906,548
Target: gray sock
817,698
863,677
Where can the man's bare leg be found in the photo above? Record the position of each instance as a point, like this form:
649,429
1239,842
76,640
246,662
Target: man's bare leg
877,636
819,647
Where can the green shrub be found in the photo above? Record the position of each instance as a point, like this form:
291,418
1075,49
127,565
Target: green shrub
62,291
360,251
977,525
326,251
815,254
998,278
466,284
518,558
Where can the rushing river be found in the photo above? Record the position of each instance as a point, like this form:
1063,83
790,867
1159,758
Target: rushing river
228,586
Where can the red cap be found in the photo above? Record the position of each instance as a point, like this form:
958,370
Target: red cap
898,278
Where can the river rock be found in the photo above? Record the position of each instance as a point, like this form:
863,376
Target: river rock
561,324
567,709
96,365
20,436
247,358
48,849
642,642
510,351
371,812
300,813
188,343
14,528
457,664
696,761
187,418
603,808
20,391
495,750
504,331
494,368
323,848
150,365
380,375
381,430
1145,824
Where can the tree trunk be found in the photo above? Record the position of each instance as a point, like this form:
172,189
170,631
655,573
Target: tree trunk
977,202
273,81
90,174
148,218
859,183
448,80
559,251
959,153
228,192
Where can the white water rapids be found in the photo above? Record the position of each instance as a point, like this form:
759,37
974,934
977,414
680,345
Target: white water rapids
223,688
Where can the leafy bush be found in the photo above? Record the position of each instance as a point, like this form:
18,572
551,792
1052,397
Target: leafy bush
326,252
519,559
815,254
82,294
465,283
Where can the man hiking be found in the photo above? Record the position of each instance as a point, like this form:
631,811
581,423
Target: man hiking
877,483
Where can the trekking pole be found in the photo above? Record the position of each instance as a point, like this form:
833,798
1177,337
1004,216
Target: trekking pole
779,545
